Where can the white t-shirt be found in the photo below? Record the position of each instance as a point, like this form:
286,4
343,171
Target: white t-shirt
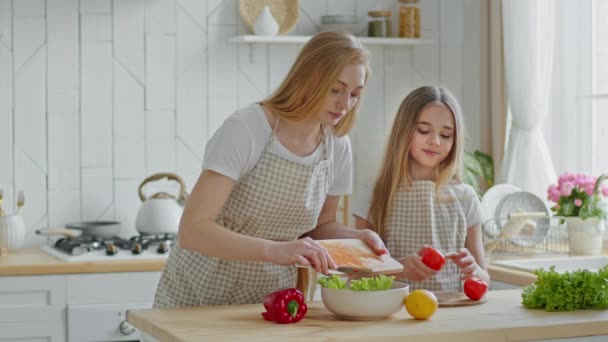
465,194
237,145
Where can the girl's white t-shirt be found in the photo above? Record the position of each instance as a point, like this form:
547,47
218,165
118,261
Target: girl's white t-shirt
466,196
237,145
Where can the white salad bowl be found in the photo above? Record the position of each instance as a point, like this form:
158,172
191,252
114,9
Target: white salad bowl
365,305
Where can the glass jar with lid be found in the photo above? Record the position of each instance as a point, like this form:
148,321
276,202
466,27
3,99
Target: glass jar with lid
409,19
380,24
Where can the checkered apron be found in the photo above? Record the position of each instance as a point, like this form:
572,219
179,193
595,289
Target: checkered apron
418,217
278,200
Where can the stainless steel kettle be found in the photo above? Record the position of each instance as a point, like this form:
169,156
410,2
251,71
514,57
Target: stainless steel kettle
161,212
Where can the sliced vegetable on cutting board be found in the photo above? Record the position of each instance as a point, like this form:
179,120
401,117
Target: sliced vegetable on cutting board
356,254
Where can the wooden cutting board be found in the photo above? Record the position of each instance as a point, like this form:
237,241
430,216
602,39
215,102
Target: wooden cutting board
456,299
357,254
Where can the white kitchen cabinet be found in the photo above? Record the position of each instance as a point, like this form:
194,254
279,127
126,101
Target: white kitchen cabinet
73,307
32,308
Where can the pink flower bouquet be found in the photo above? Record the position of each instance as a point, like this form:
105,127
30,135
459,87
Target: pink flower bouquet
579,195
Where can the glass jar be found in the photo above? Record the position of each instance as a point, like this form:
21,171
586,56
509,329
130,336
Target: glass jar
380,24
409,19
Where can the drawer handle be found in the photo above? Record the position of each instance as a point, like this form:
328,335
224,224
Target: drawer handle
126,328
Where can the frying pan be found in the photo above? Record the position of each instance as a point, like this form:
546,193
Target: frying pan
103,229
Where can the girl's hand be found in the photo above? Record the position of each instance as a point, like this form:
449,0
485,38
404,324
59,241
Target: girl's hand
415,269
465,261
373,240
305,251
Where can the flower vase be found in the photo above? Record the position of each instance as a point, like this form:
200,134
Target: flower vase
585,236
265,24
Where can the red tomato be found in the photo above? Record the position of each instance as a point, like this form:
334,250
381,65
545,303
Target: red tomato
475,288
433,258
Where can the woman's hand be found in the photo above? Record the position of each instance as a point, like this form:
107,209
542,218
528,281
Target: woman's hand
465,261
373,240
414,268
305,252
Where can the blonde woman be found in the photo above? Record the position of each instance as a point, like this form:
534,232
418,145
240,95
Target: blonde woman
418,198
272,177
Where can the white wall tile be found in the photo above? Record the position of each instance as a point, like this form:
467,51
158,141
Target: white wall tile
96,27
129,157
62,44
160,72
220,108
97,194
127,204
160,16
64,206
195,9
30,109
63,95
252,73
129,24
222,12
160,142
222,58
129,118
6,94
342,7
96,6
28,8
310,16
96,105
63,139
280,59
29,36
191,110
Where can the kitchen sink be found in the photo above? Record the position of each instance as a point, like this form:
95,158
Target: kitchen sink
592,263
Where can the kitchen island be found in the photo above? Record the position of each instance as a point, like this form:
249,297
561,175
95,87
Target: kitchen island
501,318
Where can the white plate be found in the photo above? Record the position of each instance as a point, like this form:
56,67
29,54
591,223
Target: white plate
489,202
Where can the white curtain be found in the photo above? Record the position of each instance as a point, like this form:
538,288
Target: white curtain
528,33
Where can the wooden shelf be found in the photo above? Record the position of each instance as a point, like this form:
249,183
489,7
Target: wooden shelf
249,39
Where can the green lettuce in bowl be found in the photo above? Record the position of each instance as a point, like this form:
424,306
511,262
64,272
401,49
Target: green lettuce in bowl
374,283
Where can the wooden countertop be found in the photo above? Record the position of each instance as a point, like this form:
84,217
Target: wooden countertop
501,318
36,262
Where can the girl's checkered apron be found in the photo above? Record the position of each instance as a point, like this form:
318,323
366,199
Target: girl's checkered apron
418,217
278,200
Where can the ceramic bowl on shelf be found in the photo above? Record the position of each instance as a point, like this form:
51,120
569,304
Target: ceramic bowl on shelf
365,305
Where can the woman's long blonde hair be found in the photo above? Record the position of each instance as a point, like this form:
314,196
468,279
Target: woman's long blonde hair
312,75
395,171
307,85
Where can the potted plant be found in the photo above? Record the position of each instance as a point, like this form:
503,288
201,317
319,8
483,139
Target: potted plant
478,171
579,202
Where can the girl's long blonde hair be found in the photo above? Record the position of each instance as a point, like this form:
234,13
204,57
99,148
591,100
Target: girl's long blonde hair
395,172
312,75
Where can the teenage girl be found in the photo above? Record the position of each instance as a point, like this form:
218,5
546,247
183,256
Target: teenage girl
419,199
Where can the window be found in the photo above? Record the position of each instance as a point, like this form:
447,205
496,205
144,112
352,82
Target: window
576,127
599,91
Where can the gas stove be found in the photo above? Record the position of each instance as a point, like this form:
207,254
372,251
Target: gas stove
94,248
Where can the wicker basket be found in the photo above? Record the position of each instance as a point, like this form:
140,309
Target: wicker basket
286,12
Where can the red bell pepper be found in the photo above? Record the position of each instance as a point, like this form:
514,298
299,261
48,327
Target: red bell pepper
285,306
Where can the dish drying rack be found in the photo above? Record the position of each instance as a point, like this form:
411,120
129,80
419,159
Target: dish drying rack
525,233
